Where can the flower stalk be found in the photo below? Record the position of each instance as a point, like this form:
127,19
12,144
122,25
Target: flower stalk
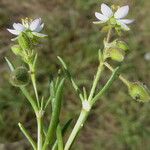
125,81
84,113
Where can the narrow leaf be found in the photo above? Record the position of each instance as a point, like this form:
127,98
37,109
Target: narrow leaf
114,75
27,135
64,129
10,65
55,116
59,137
68,74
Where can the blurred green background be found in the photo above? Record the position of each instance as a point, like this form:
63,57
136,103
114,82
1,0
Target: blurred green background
116,122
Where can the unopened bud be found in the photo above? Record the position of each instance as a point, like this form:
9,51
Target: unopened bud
19,77
139,92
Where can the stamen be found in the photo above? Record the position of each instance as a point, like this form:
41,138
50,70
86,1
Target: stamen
26,22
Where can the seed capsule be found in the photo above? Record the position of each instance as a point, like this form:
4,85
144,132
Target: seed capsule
116,54
19,77
139,92
122,45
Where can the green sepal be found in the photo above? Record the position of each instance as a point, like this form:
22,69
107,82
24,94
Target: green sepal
24,41
105,29
16,49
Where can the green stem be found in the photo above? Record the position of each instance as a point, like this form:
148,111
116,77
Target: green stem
39,112
33,78
79,124
100,69
27,135
39,131
125,81
97,77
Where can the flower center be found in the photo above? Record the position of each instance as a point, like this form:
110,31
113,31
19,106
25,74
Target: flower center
113,21
26,22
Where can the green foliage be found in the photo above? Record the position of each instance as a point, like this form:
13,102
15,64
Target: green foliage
126,123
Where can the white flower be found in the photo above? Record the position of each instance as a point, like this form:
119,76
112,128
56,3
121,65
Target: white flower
34,26
107,14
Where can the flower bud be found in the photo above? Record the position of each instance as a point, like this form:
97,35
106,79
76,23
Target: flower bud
24,41
122,45
16,49
19,77
139,92
116,54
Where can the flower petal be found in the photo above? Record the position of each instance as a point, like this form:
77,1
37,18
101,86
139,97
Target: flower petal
35,24
127,21
18,26
39,28
122,12
106,10
15,32
39,34
123,25
101,17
